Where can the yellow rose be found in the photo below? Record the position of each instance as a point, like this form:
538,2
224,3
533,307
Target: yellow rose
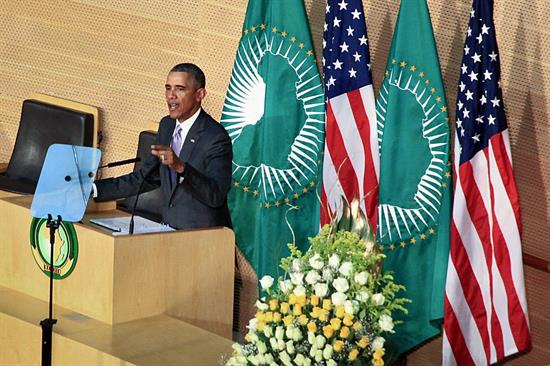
297,309
248,337
302,319
277,317
284,307
269,317
337,346
260,326
348,320
344,332
379,362
336,323
328,331
340,311
314,300
315,312
302,300
363,342
327,304
292,299
357,326
288,319
273,304
260,315
378,354
353,354
323,315
311,327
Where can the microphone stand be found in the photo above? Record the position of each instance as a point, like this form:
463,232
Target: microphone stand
145,176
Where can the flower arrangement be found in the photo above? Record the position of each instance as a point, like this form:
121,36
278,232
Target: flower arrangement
333,306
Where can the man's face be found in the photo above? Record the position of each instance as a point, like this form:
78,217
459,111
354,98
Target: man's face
183,95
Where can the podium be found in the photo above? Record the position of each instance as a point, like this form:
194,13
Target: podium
185,275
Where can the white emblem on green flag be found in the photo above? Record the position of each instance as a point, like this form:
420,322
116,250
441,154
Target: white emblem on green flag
274,112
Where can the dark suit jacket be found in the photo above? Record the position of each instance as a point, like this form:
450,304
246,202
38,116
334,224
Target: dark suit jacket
200,199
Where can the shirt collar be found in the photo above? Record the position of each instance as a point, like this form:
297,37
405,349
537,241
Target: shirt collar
189,121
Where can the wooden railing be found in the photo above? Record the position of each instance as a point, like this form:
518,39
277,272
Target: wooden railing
536,262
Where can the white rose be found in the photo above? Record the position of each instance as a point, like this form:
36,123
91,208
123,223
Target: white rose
254,360
332,363
363,296
378,343
262,348
297,278
296,265
299,290
285,286
386,323
340,284
268,331
290,347
310,337
307,361
299,360
320,341
338,298
361,277
289,331
334,261
350,307
269,358
261,306
252,324
279,332
321,289
312,277
327,352
281,344
318,355
296,335
378,299
266,282
346,268
285,358
328,275
316,261
273,343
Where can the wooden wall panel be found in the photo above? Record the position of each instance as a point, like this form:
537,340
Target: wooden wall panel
115,54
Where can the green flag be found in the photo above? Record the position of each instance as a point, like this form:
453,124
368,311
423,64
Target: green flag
415,175
274,112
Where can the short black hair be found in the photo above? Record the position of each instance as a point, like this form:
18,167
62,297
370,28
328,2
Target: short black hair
196,73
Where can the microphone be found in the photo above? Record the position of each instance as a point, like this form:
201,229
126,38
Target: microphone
145,176
121,162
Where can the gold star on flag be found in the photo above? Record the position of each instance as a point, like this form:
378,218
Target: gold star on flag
296,195
443,109
236,184
302,45
284,34
309,52
255,193
381,247
432,90
412,68
253,29
304,190
444,185
312,184
403,244
274,30
277,203
287,200
421,74
427,82
413,241
293,39
246,31
267,205
393,61
448,175
432,231
422,236
263,26
392,246
402,64
245,189
438,99
387,73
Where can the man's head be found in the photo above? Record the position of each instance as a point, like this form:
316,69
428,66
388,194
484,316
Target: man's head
184,90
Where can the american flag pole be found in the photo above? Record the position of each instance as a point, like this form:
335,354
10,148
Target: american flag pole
351,158
486,316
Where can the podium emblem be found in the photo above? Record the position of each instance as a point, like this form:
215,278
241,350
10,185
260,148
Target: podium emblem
65,248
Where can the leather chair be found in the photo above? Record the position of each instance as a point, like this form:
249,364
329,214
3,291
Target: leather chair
46,120
149,203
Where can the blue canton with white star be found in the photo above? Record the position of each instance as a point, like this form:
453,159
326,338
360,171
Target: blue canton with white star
480,110
346,58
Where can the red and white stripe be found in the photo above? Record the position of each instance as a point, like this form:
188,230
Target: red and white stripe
351,160
485,308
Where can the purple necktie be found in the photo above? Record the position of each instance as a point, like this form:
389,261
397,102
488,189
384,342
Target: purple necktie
177,143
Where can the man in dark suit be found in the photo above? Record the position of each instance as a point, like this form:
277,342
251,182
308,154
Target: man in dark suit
191,159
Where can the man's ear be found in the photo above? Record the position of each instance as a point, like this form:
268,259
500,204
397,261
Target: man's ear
201,93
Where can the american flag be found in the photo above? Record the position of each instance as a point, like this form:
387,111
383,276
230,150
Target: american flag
485,307
351,158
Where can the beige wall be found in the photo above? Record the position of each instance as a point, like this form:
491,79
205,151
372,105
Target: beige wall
114,54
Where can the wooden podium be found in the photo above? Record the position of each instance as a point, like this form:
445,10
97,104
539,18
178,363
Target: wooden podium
186,275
